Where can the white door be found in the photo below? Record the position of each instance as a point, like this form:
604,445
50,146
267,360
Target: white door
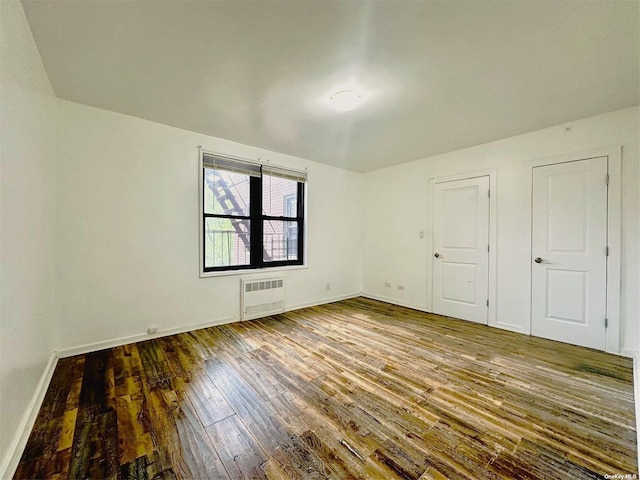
461,249
568,257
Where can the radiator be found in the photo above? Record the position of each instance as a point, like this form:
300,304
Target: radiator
260,297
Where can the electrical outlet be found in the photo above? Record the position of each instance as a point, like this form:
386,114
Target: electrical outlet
400,287
421,233
327,286
387,284
152,329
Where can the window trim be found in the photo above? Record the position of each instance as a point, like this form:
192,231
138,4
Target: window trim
254,212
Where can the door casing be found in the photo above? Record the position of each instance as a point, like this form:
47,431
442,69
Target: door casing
493,187
568,288
614,212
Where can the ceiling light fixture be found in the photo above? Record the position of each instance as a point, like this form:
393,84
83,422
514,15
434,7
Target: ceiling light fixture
346,100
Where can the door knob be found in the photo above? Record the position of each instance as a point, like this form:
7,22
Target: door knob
437,255
538,260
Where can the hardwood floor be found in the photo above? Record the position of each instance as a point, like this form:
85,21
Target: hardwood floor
357,389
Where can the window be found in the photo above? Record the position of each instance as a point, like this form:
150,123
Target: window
253,215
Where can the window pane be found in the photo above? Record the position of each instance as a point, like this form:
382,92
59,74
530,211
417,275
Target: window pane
226,193
280,240
279,197
226,242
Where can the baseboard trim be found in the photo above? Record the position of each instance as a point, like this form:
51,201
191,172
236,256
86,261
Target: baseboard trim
634,354
393,301
322,302
636,392
140,337
12,458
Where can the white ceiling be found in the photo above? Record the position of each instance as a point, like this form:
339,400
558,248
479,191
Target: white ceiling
438,75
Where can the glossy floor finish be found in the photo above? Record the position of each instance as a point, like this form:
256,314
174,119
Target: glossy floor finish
357,389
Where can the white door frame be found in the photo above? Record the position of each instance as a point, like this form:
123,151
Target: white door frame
492,173
614,211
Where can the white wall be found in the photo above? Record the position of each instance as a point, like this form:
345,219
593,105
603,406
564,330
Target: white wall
127,244
27,228
397,208
99,224
630,267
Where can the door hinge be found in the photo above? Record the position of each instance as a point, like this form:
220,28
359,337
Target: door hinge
488,248
489,193
607,251
606,181
487,302
606,323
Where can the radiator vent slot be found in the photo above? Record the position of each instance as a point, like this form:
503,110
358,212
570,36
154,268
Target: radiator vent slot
261,297
255,286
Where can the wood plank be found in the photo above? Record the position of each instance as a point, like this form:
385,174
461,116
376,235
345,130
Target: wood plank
94,452
132,417
209,404
356,389
154,361
43,440
361,431
199,459
157,465
288,451
175,428
240,453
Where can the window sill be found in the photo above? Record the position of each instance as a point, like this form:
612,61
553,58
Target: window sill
253,271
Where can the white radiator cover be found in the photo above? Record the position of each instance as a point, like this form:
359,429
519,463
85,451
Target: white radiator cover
260,297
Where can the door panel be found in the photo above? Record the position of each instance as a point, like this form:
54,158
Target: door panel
562,285
459,282
459,205
567,223
460,248
569,238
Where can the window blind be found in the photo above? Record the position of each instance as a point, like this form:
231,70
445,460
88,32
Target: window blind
295,175
230,165
253,169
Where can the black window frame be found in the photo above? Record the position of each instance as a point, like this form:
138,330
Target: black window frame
256,219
